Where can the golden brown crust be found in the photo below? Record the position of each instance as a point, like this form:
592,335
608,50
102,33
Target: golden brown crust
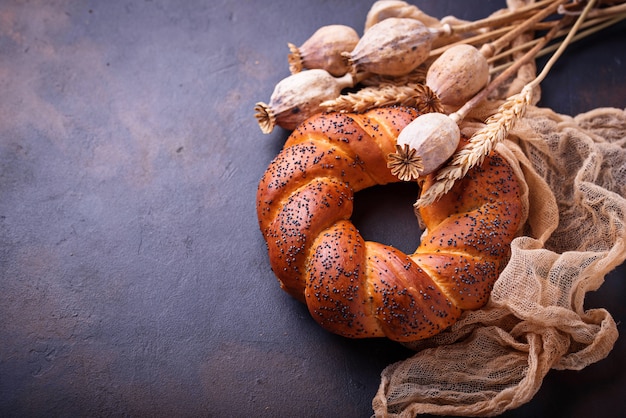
408,303
470,231
365,289
337,291
300,219
324,161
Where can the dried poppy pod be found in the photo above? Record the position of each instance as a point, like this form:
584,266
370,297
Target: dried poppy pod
424,145
394,46
323,50
298,97
458,74
384,9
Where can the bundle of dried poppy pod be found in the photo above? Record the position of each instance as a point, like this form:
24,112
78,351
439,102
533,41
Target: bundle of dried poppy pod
445,68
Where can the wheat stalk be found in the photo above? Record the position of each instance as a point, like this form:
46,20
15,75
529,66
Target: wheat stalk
495,20
415,95
595,25
479,146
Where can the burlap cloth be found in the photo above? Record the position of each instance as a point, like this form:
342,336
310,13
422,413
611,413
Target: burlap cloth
495,359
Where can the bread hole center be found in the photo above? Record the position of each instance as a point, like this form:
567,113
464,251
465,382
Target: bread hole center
384,214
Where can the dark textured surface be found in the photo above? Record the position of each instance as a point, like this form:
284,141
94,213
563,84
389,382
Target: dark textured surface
133,278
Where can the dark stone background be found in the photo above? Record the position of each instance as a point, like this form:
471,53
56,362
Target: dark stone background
133,277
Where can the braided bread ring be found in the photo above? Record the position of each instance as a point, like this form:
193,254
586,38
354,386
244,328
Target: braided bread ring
362,289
